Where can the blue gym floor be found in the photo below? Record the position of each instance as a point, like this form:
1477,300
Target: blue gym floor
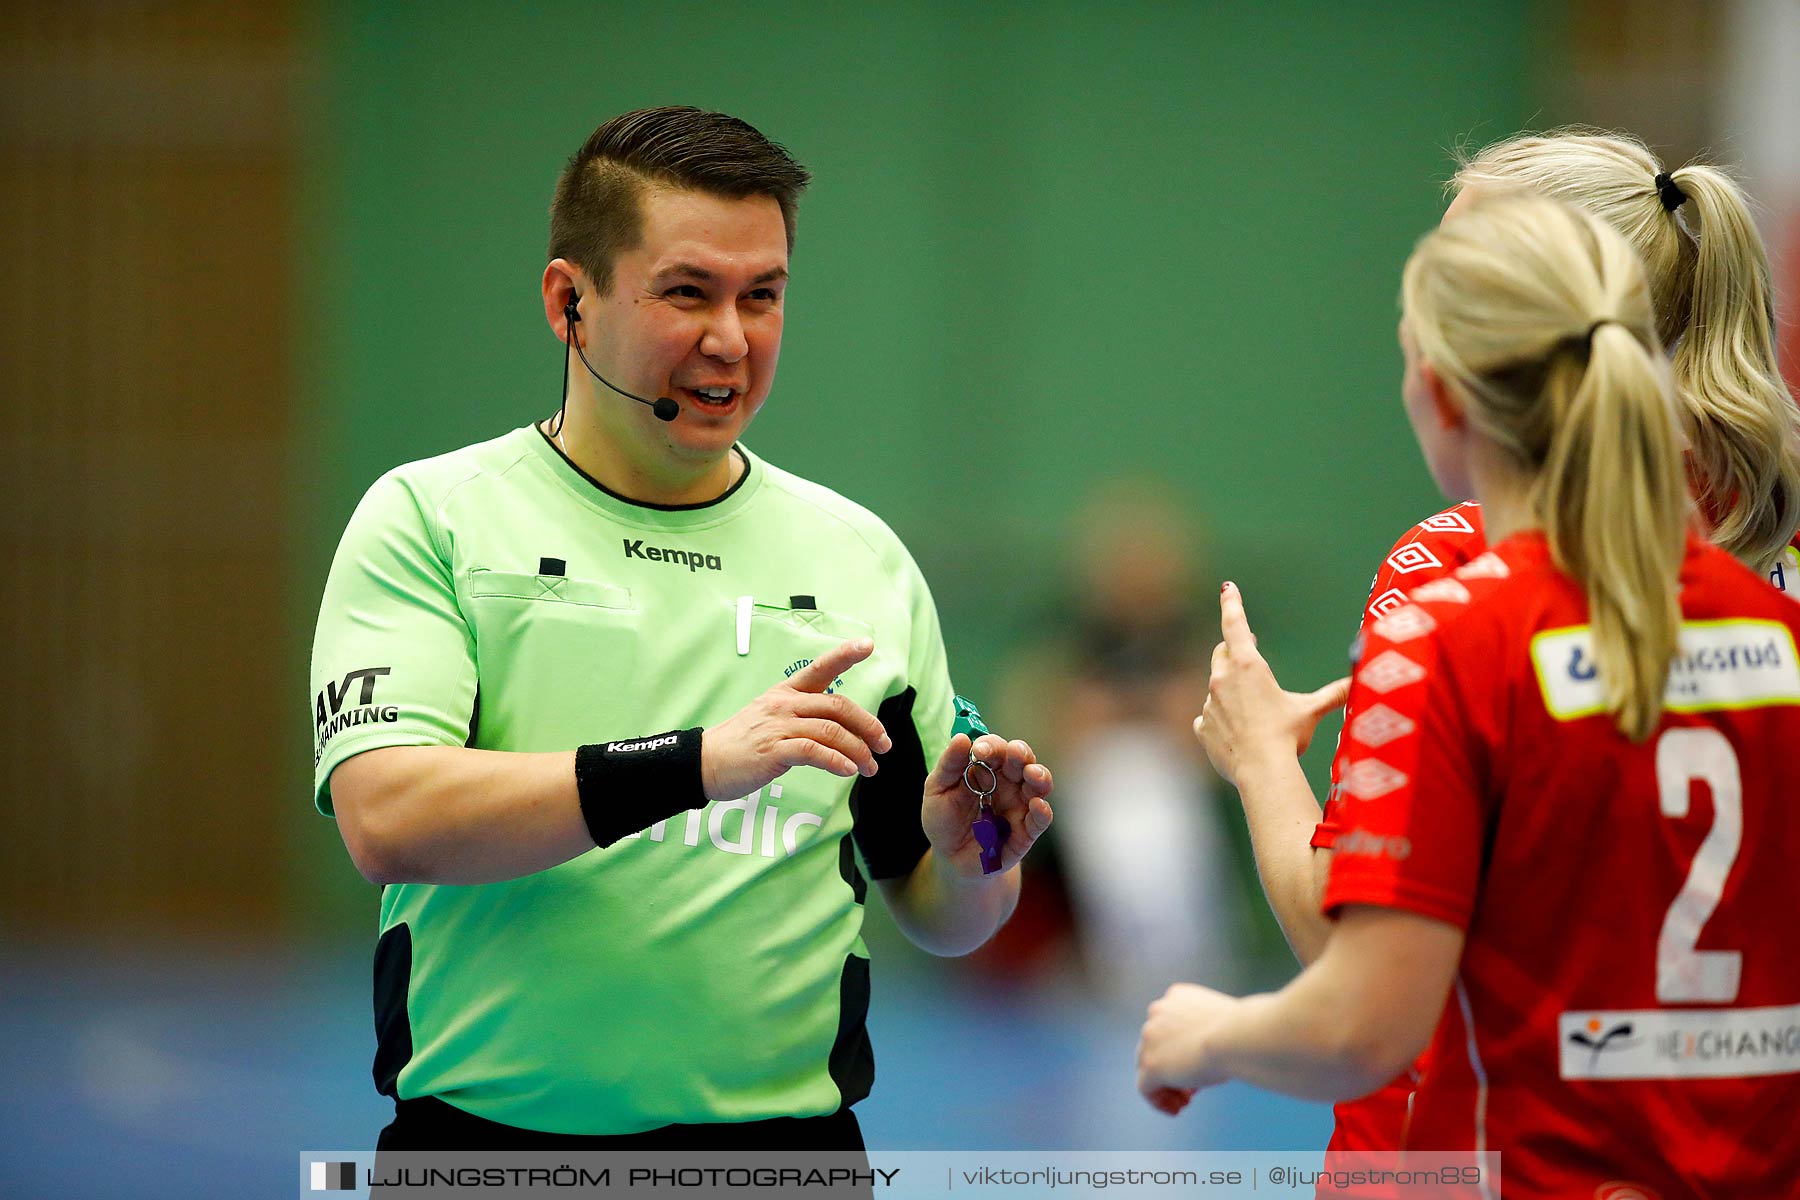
153,1073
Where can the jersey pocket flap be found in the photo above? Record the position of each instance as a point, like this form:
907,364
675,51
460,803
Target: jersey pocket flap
835,626
517,585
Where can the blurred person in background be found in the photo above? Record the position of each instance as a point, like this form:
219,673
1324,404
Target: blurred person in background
1713,296
563,681
1152,863
1565,794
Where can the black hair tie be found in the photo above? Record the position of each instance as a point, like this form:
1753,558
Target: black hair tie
1582,344
1588,338
1670,192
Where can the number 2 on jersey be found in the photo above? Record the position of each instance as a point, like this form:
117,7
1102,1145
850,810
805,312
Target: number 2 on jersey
1685,756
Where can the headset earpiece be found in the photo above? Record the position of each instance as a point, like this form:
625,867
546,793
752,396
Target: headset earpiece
665,408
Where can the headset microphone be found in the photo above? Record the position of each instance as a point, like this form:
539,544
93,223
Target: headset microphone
664,408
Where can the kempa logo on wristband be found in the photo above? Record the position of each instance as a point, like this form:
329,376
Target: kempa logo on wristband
626,787
658,743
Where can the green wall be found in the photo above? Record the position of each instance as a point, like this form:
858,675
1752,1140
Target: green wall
1047,244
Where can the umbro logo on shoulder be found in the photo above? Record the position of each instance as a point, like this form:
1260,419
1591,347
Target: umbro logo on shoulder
693,560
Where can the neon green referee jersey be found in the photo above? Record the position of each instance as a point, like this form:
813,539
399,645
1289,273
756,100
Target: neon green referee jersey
712,967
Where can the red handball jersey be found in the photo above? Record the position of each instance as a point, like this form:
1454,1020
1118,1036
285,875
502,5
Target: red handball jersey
1427,552
1625,1019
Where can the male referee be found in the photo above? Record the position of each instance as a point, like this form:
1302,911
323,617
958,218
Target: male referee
605,701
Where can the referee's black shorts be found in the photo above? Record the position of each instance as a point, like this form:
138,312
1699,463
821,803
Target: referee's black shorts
429,1124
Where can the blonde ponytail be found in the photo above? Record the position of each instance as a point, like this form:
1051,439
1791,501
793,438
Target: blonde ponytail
1613,503
1745,443
1539,316
1710,282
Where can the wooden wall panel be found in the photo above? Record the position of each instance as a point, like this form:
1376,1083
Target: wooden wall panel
1647,66
146,174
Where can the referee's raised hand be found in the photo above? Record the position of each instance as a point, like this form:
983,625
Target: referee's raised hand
794,724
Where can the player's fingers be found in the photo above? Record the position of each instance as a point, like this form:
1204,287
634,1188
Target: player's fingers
822,671
1171,1100
1220,655
1038,780
1234,624
1331,696
1038,815
845,742
1161,1097
804,752
849,714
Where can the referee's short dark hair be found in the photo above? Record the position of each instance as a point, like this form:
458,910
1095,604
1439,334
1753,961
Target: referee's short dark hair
597,214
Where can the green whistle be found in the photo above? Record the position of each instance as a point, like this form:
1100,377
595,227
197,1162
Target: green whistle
968,719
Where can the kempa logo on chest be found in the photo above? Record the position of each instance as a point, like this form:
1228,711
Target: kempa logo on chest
693,560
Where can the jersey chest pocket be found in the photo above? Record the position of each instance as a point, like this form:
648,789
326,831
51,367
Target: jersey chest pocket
779,640
555,589
546,645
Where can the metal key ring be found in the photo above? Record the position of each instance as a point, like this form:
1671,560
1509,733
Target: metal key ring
993,779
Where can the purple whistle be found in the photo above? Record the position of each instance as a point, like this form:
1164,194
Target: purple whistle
991,831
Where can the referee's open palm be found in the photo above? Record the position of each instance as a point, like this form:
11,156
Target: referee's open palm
794,724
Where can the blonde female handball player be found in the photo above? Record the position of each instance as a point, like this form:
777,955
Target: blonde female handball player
1568,820
1712,292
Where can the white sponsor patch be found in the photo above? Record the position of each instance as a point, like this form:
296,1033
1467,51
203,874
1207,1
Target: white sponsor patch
1680,1043
1447,590
1389,670
1405,623
1370,778
1387,602
1412,557
1786,575
1381,725
1718,665
1488,566
1447,522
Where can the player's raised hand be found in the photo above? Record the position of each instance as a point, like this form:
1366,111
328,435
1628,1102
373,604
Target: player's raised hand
794,724
1247,715
1021,787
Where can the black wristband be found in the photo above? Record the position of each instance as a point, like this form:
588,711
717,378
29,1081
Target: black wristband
626,787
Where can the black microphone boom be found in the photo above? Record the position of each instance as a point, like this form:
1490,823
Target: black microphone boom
664,408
